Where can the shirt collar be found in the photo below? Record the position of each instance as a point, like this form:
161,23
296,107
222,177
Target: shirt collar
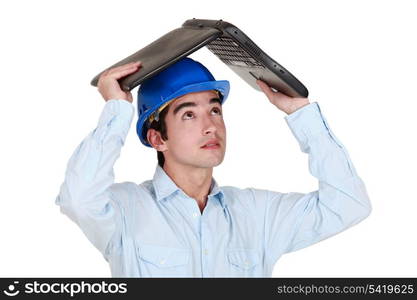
164,186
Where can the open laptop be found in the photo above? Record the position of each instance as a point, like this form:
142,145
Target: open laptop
226,41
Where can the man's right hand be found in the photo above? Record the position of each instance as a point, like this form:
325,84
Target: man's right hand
109,87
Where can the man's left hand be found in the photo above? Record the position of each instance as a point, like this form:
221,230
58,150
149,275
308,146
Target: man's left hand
283,102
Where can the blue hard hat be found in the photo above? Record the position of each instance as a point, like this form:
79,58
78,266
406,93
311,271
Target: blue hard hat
183,77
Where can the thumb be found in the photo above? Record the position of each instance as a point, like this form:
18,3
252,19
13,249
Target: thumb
265,88
129,97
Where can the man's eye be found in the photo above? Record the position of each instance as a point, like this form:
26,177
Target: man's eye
188,115
217,110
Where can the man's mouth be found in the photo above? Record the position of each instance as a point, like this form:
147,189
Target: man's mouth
214,144
211,146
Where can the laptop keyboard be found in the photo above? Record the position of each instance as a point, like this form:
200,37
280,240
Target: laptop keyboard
231,53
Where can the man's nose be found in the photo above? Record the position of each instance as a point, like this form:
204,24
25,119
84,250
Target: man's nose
208,126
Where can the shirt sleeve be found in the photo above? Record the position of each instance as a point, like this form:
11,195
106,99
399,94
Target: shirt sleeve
295,220
85,196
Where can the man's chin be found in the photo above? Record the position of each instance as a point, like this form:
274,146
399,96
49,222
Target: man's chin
209,163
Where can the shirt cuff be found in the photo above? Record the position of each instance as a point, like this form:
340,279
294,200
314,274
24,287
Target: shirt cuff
306,123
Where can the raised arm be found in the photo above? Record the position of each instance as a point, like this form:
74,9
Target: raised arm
88,194
296,220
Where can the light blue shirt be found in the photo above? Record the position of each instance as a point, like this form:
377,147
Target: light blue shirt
154,229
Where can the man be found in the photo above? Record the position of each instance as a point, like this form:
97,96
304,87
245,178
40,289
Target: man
182,223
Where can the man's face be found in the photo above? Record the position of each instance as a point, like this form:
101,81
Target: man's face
194,121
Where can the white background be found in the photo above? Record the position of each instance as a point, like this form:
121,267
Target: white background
357,58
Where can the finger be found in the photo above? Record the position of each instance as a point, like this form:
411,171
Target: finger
105,77
265,88
123,72
126,66
122,67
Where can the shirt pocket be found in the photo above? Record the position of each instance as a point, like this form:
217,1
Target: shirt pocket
161,261
243,262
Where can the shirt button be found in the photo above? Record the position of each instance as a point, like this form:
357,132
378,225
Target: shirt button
195,215
162,262
205,251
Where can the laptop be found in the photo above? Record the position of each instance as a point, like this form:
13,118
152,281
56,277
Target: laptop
229,43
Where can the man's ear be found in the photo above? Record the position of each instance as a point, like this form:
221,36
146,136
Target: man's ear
155,140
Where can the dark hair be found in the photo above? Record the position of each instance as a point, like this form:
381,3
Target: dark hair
160,126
